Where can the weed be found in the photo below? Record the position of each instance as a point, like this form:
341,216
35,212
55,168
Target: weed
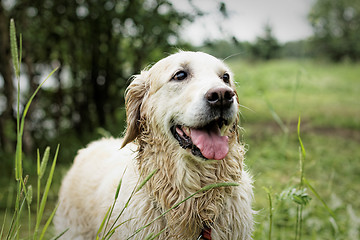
24,192
106,234
268,191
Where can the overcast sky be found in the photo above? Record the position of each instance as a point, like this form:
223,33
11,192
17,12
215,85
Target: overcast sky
247,18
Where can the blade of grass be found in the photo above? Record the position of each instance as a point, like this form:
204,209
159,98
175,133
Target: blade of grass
204,189
276,117
31,99
300,141
46,192
18,160
60,235
103,223
151,236
267,190
129,199
18,206
28,196
300,208
18,157
110,234
15,223
146,180
48,222
38,182
111,231
12,223
3,225
16,235
116,197
319,197
41,167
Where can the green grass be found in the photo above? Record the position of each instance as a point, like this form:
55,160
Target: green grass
13,228
327,96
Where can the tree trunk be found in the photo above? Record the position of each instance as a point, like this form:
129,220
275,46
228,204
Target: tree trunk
98,82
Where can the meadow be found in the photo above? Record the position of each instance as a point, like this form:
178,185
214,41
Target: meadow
273,95
327,97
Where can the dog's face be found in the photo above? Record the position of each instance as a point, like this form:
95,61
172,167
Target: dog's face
190,97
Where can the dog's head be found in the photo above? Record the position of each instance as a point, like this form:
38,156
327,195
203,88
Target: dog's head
190,98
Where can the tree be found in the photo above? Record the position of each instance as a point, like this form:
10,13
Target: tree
336,25
97,44
267,46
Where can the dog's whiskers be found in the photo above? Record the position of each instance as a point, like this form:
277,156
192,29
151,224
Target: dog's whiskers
247,108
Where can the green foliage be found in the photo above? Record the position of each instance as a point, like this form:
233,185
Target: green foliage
97,46
297,49
224,49
325,94
107,233
268,191
266,47
24,191
229,48
336,25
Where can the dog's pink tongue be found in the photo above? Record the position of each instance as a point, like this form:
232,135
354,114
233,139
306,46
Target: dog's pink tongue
211,144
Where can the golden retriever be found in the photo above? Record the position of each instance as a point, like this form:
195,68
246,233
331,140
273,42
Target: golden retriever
182,118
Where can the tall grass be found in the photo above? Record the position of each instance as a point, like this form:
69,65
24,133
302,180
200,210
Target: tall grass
204,189
299,186
302,199
268,192
24,193
299,196
105,234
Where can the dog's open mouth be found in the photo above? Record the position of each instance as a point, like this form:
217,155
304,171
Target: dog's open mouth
205,142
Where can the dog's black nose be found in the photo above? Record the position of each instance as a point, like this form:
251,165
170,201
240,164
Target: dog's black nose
220,97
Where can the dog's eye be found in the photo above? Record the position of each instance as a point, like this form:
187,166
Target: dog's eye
180,75
226,77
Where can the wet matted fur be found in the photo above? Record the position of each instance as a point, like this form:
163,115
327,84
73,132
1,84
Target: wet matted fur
181,115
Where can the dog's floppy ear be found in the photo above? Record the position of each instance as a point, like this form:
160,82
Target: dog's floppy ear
134,96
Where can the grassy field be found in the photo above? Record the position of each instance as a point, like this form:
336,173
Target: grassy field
327,97
273,95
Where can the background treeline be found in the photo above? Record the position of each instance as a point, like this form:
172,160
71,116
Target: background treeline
98,45
266,48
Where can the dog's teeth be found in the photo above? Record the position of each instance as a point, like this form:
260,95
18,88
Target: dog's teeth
186,130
